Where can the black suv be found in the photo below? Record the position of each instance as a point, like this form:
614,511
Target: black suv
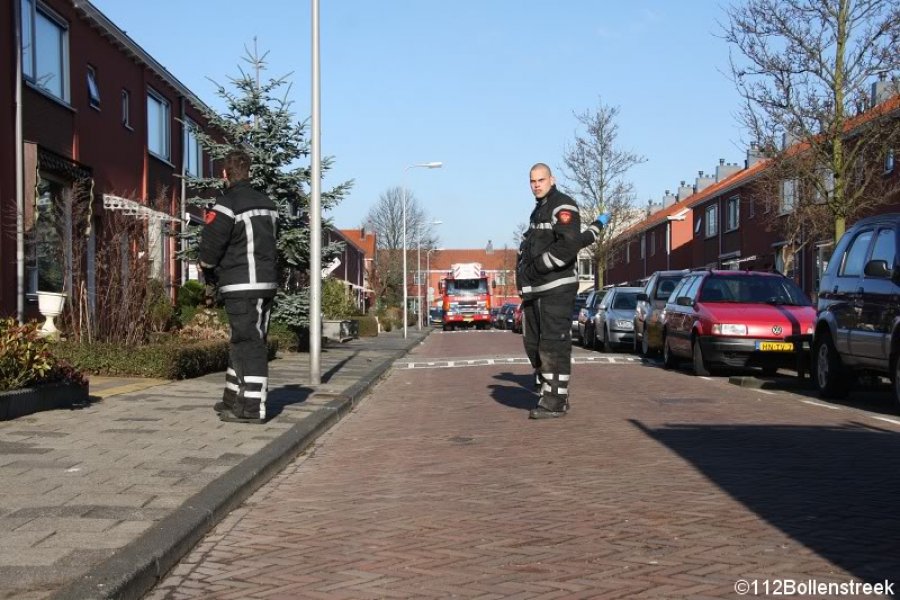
651,304
858,323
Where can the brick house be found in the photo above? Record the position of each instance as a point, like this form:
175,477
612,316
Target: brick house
735,224
104,128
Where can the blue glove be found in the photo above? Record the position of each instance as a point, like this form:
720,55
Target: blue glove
603,219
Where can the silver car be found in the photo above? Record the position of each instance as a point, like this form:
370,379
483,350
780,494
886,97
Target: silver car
614,320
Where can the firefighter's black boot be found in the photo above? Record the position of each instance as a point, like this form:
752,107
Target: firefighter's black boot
549,408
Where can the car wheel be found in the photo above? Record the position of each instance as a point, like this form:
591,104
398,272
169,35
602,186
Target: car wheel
607,345
669,360
645,345
587,340
830,378
896,371
637,342
701,369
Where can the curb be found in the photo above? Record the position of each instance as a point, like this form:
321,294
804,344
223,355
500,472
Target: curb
136,568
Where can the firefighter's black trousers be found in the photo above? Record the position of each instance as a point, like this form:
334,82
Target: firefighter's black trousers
548,344
247,377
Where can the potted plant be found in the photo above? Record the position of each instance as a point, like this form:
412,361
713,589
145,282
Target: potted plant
337,308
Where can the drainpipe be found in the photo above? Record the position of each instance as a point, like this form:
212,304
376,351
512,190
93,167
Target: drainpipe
20,173
183,209
668,243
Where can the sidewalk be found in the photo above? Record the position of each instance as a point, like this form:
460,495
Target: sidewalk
101,501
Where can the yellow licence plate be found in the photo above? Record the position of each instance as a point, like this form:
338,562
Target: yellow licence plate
775,346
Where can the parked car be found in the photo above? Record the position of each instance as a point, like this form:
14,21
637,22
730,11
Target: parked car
858,324
586,316
736,319
505,319
614,321
517,319
495,317
651,302
580,299
436,315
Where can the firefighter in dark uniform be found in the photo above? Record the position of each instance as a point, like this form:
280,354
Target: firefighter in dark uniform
237,255
547,280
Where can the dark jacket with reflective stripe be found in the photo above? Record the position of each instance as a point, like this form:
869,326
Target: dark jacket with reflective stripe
549,249
238,241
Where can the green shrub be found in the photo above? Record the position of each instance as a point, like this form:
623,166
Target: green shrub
336,304
285,336
158,306
368,326
26,358
174,359
190,294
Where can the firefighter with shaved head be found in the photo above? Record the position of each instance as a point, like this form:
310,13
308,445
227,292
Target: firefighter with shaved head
547,281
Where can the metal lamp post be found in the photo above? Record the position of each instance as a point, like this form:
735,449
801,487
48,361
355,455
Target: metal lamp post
429,165
419,276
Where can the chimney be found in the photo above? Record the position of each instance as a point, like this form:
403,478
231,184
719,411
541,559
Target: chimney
684,191
754,155
489,249
703,181
883,89
669,199
725,170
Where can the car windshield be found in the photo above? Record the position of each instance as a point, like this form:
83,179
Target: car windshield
625,301
666,287
466,287
752,289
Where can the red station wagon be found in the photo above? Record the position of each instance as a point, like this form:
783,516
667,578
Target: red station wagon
737,319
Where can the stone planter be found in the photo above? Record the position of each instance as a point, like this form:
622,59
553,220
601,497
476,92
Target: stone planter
18,403
340,330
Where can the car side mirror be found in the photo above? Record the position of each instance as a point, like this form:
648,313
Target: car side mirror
642,297
877,268
684,301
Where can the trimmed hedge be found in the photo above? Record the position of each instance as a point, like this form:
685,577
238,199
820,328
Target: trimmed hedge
368,326
172,359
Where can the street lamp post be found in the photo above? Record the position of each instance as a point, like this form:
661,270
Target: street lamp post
429,165
419,276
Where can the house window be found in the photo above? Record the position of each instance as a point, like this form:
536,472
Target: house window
93,88
158,125
126,108
586,268
788,196
643,246
889,161
698,226
827,186
652,243
627,252
712,220
193,151
751,208
45,49
733,217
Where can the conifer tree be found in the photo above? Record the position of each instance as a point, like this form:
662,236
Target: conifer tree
258,119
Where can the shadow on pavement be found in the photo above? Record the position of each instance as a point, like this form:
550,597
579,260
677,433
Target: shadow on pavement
285,395
327,375
833,489
520,395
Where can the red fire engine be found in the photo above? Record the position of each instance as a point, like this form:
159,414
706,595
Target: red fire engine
466,294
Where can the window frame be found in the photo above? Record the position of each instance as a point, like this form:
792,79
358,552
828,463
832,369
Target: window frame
711,212
190,129
783,207
890,161
93,88
842,270
126,109
732,203
165,121
30,54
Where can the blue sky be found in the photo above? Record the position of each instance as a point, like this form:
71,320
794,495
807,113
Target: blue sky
488,87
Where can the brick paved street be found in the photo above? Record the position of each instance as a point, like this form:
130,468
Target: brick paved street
657,485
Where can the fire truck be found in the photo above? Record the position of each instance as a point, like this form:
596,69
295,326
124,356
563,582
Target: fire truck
466,296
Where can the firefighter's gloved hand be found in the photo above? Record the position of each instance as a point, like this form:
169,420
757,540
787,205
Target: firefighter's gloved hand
603,219
209,276
209,296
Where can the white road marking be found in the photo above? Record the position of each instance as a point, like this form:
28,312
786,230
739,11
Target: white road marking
822,404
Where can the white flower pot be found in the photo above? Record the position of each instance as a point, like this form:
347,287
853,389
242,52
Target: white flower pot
51,305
